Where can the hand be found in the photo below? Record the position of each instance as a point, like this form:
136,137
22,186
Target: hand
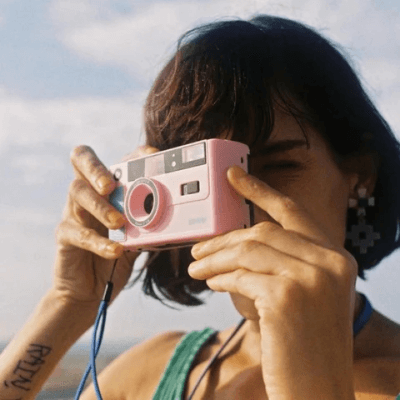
85,256
302,288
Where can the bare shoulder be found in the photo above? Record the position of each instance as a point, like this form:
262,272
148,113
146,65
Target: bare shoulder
377,378
377,373
136,373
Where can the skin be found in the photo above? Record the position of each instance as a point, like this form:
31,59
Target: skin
300,229
302,300
84,261
82,234
300,305
289,276
307,293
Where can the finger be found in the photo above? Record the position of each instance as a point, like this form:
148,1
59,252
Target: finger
252,256
281,208
88,239
140,152
270,234
254,286
88,166
83,194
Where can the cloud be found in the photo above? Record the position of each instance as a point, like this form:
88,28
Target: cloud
77,13
136,42
141,41
107,36
112,125
138,37
10,214
36,136
36,169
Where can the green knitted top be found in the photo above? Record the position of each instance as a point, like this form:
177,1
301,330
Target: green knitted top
174,379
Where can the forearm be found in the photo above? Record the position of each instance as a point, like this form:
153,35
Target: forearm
32,355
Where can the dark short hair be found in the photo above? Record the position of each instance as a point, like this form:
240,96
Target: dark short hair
226,78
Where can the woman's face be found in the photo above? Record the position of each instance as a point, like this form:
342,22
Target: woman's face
310,177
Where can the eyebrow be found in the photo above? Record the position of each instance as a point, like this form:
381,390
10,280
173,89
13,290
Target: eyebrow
282,146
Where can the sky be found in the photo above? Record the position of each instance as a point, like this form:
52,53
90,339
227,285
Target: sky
77,72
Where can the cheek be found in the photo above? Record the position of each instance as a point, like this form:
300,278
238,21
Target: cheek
327,202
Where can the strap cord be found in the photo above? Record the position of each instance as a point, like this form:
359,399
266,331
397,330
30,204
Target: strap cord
97,339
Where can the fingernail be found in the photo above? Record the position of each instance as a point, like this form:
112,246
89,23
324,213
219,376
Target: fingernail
115,218
103,182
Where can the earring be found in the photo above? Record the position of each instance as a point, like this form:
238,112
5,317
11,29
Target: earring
362,235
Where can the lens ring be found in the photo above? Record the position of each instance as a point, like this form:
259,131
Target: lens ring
141,189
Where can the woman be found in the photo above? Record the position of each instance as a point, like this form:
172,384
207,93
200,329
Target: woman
307,333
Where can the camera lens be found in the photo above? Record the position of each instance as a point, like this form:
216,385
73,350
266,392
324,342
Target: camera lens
144,203
148,203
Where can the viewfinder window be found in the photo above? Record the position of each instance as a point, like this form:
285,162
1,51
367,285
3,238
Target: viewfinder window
192,153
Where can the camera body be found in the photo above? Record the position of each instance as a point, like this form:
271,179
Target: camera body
178,197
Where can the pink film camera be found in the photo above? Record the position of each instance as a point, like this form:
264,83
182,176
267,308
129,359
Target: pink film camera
178,197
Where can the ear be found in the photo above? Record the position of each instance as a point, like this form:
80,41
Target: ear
361,171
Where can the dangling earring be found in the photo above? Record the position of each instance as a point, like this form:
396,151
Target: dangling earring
362,235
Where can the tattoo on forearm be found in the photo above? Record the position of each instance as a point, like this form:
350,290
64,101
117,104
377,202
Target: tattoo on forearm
26,369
